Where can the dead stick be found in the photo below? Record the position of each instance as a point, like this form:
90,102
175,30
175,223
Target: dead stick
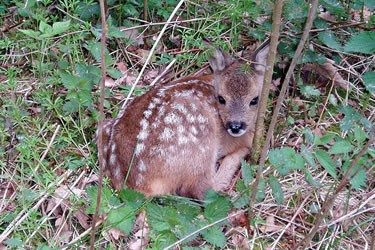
101,116
331,199
258,137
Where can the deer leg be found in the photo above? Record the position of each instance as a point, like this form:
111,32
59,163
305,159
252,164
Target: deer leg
227,169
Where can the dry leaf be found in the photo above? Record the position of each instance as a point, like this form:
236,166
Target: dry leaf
239,241
134,35
82,219
109,82
325,73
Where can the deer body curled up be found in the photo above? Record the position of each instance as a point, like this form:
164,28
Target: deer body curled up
169,140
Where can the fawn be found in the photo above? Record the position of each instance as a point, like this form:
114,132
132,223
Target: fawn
170,139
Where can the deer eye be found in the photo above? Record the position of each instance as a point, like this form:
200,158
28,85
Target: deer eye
254,101
221,99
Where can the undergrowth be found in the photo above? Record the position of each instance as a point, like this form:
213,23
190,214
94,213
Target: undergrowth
49,73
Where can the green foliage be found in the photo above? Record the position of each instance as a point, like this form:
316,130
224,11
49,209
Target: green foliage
276,189
79,86
369,81
363,42
286,160
47,31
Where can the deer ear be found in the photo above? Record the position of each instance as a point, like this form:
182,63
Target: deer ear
260,59
220,60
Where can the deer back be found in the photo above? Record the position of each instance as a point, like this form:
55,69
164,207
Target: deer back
169,140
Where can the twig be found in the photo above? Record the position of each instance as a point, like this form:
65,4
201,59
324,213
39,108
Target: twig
301,45
258,137
163,73
291,221
152,52
26,212
330,199
101,118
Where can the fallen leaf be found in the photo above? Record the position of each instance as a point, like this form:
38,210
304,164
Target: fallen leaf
134,35
325,73
82,219
109,82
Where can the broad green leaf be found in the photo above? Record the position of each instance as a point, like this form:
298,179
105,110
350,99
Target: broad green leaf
247,173
45,28
359,180
350,118
310,91
310,179
132,198
215,236
369,80
359,134
95,49
71,106
261,192
325,139
308,156
122,218
277,191
286,160
327,163
363,42
31,33
333,6
60,27
329,39
92,193
68,80
14,243
217,209
341,147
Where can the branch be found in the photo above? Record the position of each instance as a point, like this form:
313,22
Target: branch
331,199
101,118
258,137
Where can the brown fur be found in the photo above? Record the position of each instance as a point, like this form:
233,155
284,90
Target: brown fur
168,140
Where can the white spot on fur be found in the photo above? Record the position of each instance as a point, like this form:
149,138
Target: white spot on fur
142,166
156,100
167,134
112,159
147,113
113,148
191,118
185,93
193,107
151,105
199,94
161,110
172,118
139,179
183,139
143,135
105,149
161,93
180,108
193,130
202,119
139,148
180,129
117,172
108,130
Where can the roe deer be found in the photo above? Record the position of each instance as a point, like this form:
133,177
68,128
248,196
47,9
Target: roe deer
169,140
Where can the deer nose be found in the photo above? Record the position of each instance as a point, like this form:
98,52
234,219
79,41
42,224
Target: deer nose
236,128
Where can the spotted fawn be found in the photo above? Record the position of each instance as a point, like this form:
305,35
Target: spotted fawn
190,135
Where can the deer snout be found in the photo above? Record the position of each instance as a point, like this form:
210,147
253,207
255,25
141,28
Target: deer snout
236,128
